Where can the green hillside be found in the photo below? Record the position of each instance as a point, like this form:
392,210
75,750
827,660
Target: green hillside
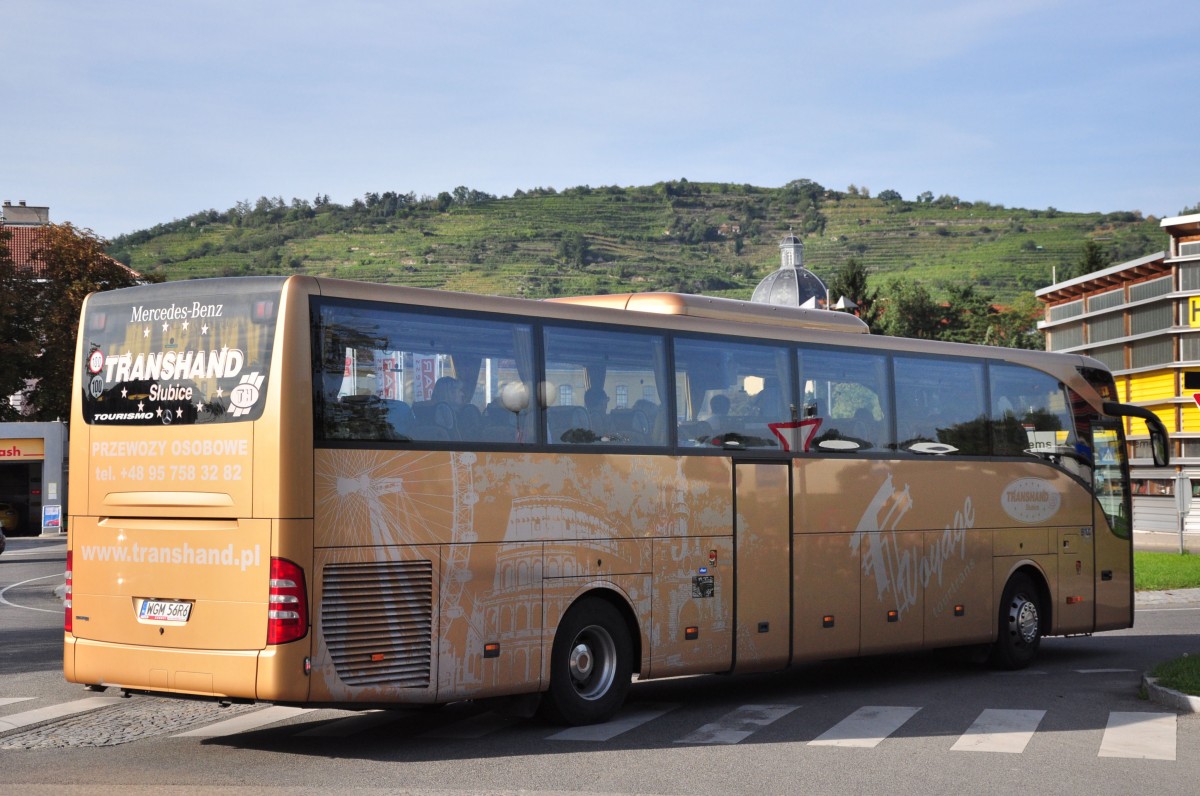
713,238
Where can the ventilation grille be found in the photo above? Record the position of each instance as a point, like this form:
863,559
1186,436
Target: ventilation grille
377,619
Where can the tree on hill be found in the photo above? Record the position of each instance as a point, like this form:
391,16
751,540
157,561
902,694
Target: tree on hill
850,280
573,249
1092,258
968,316
71,263
909,310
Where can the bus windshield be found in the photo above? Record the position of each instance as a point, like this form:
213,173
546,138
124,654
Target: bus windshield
188,352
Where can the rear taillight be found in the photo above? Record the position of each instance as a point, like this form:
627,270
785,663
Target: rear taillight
67,596
287,609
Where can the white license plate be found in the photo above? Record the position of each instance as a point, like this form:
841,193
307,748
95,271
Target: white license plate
164,611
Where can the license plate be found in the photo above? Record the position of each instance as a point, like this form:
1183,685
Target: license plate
164,611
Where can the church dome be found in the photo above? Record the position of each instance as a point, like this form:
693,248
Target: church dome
792,285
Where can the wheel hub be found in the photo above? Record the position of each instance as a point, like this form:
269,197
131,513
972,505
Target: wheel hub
582,662
1024,619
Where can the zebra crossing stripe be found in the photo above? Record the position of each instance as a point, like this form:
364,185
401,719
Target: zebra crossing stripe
54,712
624,722
12,700
866,727
1000,731
1150,736
244,722
736,726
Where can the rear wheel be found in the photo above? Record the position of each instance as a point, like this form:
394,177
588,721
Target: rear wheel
590,666
1020,632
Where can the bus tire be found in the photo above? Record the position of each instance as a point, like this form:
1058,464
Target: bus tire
1020,629
591,664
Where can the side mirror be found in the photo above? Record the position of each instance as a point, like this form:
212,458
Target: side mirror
1159,447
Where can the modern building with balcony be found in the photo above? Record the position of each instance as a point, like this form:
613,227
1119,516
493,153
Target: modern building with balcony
1142,319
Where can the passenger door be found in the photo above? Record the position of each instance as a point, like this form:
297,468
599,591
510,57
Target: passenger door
763,556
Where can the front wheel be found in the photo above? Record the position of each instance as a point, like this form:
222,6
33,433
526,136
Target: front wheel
1020,632
591,665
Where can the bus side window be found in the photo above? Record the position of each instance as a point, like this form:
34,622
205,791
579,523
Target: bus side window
941,407
846,393
594,372
735,393
1030,416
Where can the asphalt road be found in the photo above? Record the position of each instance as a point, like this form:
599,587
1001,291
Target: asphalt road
932,724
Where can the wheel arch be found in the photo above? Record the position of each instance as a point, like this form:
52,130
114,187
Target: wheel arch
1040,582
620,601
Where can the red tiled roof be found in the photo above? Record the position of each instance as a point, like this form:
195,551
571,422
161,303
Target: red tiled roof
21,245
24,241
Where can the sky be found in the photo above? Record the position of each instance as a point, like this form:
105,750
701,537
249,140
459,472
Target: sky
122,115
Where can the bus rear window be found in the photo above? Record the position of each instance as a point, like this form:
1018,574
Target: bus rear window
178,353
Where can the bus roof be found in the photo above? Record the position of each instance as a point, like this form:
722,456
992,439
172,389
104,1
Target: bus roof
724,309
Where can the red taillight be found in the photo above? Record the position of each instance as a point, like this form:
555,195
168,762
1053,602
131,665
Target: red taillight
287,609
67,596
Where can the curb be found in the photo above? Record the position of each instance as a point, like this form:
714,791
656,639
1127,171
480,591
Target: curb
1169,697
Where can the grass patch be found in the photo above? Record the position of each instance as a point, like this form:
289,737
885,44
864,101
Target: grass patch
1160,571
1181,674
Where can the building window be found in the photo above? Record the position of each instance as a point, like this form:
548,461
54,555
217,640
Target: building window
1153,487
1150,319
1109,328
1112,356
1189,276
1106,301
1065,337
1063,311
1155,287
1147,353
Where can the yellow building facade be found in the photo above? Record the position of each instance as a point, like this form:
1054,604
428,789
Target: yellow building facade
1142,319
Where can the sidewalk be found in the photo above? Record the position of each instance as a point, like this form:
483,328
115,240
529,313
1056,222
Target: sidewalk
1165,542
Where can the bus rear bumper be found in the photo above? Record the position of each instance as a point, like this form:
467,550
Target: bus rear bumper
232,674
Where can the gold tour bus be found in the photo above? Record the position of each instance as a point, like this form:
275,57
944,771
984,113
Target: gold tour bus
319,492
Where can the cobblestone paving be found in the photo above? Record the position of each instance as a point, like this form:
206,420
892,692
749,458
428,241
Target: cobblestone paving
131,720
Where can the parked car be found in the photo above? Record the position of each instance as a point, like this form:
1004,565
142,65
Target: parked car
3,541
9,519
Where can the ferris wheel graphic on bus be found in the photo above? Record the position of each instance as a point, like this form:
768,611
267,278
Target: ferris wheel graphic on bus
415,499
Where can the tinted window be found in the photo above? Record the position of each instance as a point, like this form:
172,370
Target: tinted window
735,395
589,372
1030,413
846,392
941,406
182,352
387,373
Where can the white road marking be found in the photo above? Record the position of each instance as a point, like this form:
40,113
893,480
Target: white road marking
736,726
1104,671
1000,731
625,721
26,607
866,727
1149,736
54,712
